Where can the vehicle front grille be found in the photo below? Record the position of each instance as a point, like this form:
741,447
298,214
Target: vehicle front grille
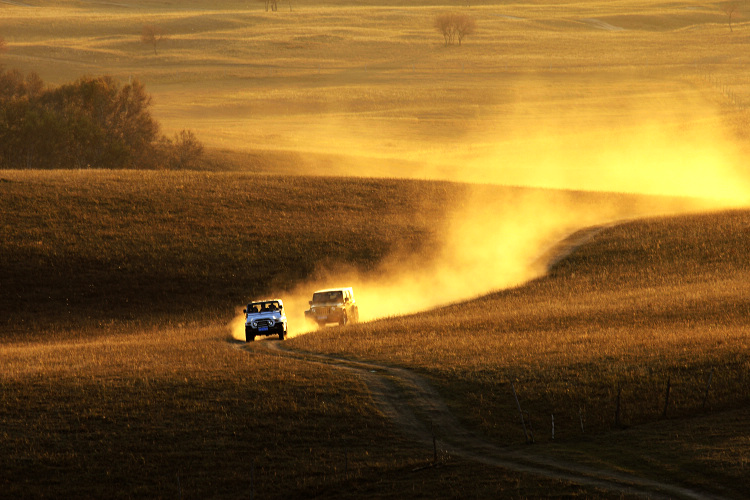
263,323
322,310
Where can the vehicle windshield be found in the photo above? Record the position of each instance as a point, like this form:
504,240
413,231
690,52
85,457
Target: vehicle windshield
259,307
335,296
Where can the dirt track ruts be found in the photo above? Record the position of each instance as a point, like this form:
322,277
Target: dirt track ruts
418,410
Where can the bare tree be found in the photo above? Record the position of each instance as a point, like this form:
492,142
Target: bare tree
454,26
272,5
152,35
444,24
731,10
465,25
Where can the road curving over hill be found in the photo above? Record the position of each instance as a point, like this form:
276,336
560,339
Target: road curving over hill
410,402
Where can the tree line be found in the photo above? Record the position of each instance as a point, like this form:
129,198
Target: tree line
93,122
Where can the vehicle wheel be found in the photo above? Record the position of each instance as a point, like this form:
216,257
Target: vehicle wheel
356,315
321,325
344,319
282,334
250,338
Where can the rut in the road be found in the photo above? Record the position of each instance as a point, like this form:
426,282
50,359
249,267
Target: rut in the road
417,409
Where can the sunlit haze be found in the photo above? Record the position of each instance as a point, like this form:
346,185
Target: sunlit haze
677,148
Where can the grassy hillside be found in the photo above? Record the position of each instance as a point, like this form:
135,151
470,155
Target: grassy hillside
96,248
118,367
119,373
635,96
92,249
182,413
642,305
119,377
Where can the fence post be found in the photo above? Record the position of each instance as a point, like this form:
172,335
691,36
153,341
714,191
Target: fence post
520,412
434,443
553,427
617,407
580,418
708,387
531,427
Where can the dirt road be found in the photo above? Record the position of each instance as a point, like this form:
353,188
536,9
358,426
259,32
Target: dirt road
418,410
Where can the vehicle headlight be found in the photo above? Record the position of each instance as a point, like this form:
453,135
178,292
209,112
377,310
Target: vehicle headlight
271,322
254,324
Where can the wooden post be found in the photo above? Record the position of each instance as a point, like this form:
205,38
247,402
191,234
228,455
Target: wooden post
617,407
553,427
531,427
580,418
708,387
666,398
520,412
434,443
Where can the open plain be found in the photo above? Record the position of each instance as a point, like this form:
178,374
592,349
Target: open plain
546,227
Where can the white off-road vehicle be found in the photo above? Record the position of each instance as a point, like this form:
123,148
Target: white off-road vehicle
333,305
265,317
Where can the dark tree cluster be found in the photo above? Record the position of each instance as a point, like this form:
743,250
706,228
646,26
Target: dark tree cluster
91,123
454,26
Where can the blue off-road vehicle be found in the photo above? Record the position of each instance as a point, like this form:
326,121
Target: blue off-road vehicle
265,317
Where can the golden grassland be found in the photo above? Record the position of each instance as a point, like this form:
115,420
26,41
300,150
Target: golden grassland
183,413
109,377
95,248
159,413
112,385
544,93
642,304
119,374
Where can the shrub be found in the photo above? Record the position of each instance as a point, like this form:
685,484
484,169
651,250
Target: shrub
182,152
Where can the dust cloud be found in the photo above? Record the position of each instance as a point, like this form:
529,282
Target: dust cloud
677,148
487,244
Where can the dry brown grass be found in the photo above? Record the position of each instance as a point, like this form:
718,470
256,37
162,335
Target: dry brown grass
90,249
96,248
117,375
642,304
179,412
539,85
117,368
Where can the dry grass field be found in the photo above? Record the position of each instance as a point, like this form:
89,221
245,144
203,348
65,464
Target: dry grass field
641,304
543,94
346,141
120,375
